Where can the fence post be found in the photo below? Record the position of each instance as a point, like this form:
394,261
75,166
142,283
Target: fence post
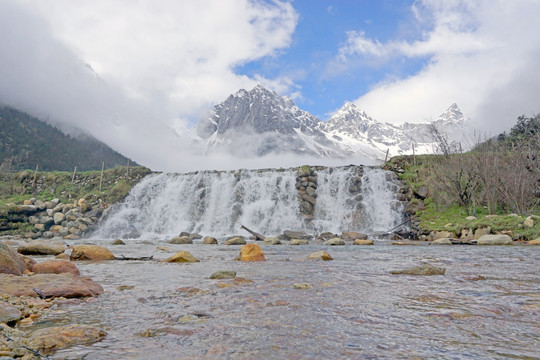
386,157
35,176
101,177
74,172
127,171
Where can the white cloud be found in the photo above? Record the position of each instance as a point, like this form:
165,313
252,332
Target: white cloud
157,63
482,54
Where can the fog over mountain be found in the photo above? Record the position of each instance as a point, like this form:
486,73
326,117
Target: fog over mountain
261,122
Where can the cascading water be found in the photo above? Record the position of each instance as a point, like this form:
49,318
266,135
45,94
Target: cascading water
213,203
267,201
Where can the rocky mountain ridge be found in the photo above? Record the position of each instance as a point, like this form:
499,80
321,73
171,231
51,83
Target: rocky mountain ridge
259,122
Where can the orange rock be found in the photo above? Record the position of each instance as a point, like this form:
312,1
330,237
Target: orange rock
91,252
55,267
251,252
182,256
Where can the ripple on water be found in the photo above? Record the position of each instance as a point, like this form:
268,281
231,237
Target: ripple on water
353,308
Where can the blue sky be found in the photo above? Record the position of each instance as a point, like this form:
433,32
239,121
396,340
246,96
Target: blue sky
139,75
322,28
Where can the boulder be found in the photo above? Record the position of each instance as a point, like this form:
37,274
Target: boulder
23,209
10,261
297,235
51,285
195,236
58,218
41,247
9,313
235,240
434,235
272,240
55,267
424,269
481,232
529,222
91,252
209,240
51,339
534,242
327,236
118,242
363,242
28,262
182,256
223,274
334,242
442,241
320,255
298,242
422,192
500,239
352,235
181,240
251,252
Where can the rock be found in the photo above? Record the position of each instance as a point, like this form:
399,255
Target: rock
251,252
182,256
28,202
55,267
494,240
422,192
363,242
41,247
58,218
301,286
54,338
327,236
91,252
118,242
434,235
181,240
222,274
195,236
405,243
481,232
62,256
51,285
424,269
334,241
298,242
297,235
529,222
10,261
352,235
28,262
72,237
235,240
442,241
471,218
534,242
209,240
9,313
467,234
272,240
320,255
23,209
48,235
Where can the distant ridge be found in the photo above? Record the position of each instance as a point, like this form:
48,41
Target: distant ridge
260,121
26,141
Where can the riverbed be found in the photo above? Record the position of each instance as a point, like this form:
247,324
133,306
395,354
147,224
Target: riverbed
487,305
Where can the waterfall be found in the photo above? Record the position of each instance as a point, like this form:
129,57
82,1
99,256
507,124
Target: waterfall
267,201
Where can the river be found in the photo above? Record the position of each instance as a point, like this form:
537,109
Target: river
486,306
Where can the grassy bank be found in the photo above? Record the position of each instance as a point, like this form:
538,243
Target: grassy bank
447,195
115,185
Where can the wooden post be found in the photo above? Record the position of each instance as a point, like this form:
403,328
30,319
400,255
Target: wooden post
413,155
35,176
127,171
101,177
386,157
74,172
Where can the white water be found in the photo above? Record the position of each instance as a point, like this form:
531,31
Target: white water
218,203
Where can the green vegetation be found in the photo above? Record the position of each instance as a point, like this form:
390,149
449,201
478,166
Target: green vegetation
498,183
116,184
26,142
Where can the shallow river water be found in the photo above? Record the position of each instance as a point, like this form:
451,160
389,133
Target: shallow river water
487,306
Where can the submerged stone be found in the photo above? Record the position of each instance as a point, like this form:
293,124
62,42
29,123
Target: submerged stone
51,339
424,269
223,274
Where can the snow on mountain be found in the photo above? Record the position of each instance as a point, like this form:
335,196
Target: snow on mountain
259,122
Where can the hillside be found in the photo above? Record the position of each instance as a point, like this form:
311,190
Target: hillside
26,141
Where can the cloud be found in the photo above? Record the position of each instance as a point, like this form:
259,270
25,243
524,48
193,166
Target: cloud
480,54
129,72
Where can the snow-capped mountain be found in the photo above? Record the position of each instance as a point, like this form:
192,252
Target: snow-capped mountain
259,122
